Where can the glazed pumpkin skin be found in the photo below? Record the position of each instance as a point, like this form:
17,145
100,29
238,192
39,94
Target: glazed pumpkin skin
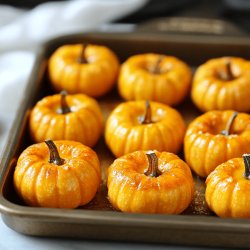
91,69
69,185
222,84
81,122
131,190
154,77
125,131
228,190
205,144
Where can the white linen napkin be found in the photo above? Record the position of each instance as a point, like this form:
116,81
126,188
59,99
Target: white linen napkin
23,31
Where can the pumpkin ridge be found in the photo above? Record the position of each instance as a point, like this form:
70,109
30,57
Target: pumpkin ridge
18,187
215,186
57,194
159,134
46,116
233,97
33,167
62,73
113,138
172,137
169,81
39,122
230,199
83,133
164,144
80,186
132,194
207,154
47,131
116,199
77,77
220,97
99,121
35,183
126,145
158,195
201,94
189,147
91,164
134,197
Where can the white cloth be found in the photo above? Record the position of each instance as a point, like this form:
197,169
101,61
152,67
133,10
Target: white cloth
23,31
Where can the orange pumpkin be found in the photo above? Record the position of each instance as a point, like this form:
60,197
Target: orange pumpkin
43,179
79,68
154,77
221,84
150,182
140,125
228,188
214,138
72,117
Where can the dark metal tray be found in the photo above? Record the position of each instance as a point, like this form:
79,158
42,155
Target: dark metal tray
197,225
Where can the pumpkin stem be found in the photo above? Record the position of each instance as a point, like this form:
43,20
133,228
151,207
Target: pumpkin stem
226,131
64,109
152,170
156,68
82,58
228,74
54,156
146,119
246,158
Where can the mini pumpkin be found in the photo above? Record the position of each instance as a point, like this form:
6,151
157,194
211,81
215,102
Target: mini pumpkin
228,188
43,179
80,68
154,77
222,84
66,117
214,138
143,125
150,182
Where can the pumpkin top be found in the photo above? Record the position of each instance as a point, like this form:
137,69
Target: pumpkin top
53,104
215,123
232,171
223,70
134,112
84,55
173,171
70,151
156,64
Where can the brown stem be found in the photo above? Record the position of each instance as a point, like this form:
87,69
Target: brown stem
147,118
226,131
64,109
82,57
228,74
246,158
152,170
156,69
54,156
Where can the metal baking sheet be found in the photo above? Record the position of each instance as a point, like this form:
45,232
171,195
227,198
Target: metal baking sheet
197,225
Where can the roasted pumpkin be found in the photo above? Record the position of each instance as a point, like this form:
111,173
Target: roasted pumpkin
228,188
154,77
150,182
80,68
66,117
143,125
60,174
214,138
222,84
